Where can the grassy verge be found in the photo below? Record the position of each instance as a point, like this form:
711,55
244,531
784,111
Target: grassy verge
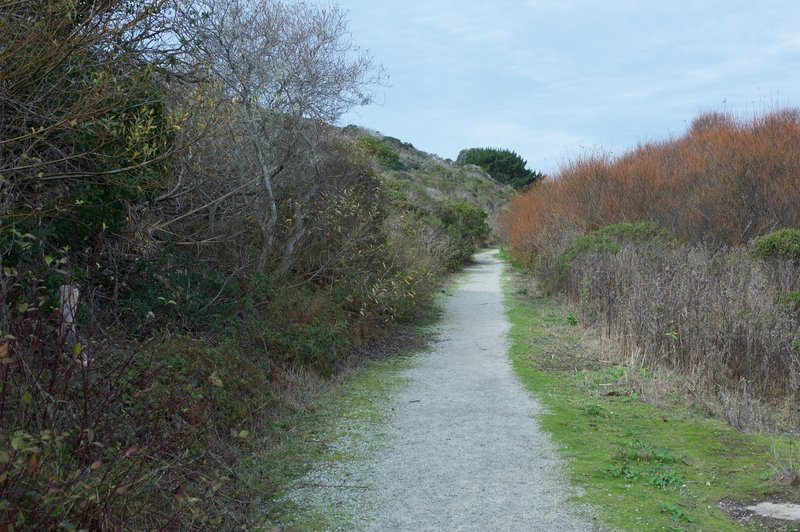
299,439
318,422
643,467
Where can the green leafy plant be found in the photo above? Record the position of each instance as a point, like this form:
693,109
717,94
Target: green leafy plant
466,224
595,410
611,239
676,512
381,151
640,460
784,243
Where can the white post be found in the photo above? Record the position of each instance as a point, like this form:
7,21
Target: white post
69,309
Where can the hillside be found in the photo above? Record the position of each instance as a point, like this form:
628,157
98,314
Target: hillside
426,180
207,334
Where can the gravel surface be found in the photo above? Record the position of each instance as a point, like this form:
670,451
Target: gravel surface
461,449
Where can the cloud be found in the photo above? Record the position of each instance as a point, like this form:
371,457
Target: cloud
545,77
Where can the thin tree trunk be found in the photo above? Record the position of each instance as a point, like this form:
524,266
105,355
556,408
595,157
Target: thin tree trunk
298,231
268,225
299,228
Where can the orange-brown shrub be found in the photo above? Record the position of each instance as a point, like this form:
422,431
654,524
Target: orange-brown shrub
694,304
725,181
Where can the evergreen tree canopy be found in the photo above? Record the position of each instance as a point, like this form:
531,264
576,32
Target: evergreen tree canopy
504,166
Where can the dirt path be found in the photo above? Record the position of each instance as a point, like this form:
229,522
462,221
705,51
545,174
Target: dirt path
462,450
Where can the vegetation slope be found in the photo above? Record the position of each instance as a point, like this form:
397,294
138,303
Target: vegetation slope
686,253
187,245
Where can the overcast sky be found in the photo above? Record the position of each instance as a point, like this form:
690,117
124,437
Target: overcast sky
551,79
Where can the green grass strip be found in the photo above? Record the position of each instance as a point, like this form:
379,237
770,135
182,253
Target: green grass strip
640,467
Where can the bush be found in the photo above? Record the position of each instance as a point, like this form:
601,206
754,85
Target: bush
466,224
291,328
77,212
99,431
725,182
420,249
611,239
172,291
381,151
784,243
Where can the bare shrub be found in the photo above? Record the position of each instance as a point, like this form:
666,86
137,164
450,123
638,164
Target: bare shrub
740,409
714,315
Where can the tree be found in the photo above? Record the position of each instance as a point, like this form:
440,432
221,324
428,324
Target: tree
504,166
285,69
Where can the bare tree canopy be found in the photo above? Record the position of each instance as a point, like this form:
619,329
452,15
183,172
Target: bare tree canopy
281,67
284,57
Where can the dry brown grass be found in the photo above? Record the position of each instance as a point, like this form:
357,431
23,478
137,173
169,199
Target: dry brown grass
715,318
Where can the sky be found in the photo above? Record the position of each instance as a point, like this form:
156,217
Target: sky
554,79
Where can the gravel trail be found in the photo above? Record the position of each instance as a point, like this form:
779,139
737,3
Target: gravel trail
462,450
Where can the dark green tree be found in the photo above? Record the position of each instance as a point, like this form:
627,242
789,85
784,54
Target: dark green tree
504,166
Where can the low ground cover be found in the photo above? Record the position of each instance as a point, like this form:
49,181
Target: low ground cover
644,456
